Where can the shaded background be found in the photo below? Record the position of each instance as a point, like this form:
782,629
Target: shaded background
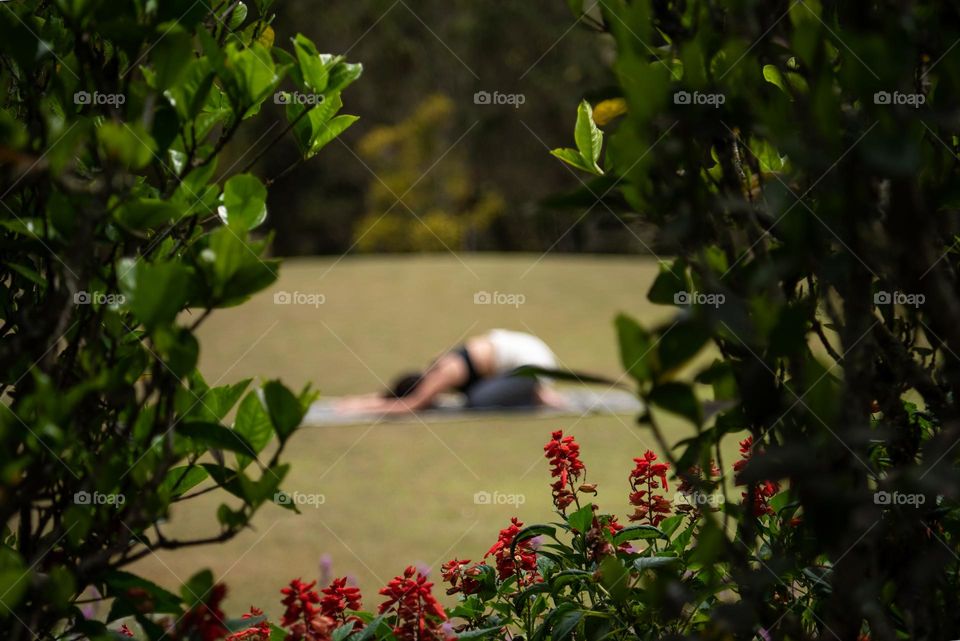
478,172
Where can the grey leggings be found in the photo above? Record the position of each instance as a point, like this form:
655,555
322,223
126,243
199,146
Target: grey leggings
503,391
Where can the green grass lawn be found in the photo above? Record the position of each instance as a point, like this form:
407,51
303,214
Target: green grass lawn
403,493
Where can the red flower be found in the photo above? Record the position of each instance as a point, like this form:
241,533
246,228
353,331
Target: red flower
460,578
646,477
302,617
758,495
524,560
338,598
205,619
125,631
259,632
566,467
746,451
419,615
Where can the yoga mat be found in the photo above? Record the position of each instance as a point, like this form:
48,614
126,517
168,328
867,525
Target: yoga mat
581,401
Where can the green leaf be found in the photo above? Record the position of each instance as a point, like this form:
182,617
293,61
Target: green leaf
154,292
343,75
680,343
213,436
132,146
244,202
480,633
14,580
588,137
638,532
253,423
179,349
582,519
188,95
119,583
654,562
314,67
249,76
180,480
572,157
671,280
284,409
677,398
329,131
145,213
566,625
196,589
636,350
615,578
235,268
171,55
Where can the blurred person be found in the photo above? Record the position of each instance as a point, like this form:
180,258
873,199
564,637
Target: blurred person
483,369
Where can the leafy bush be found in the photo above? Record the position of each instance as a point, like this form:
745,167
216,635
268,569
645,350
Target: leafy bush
800,158
118,240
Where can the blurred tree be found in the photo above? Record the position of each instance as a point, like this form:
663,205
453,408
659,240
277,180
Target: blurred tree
418,202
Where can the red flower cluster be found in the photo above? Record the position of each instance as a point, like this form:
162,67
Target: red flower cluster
259,632
460,577
205,619
758,496
338,598
566,467
647,477
523,563
302,618
419,615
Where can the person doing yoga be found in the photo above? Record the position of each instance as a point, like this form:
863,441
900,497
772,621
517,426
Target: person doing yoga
483,369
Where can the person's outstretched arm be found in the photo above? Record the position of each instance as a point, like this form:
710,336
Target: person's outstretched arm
448,372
